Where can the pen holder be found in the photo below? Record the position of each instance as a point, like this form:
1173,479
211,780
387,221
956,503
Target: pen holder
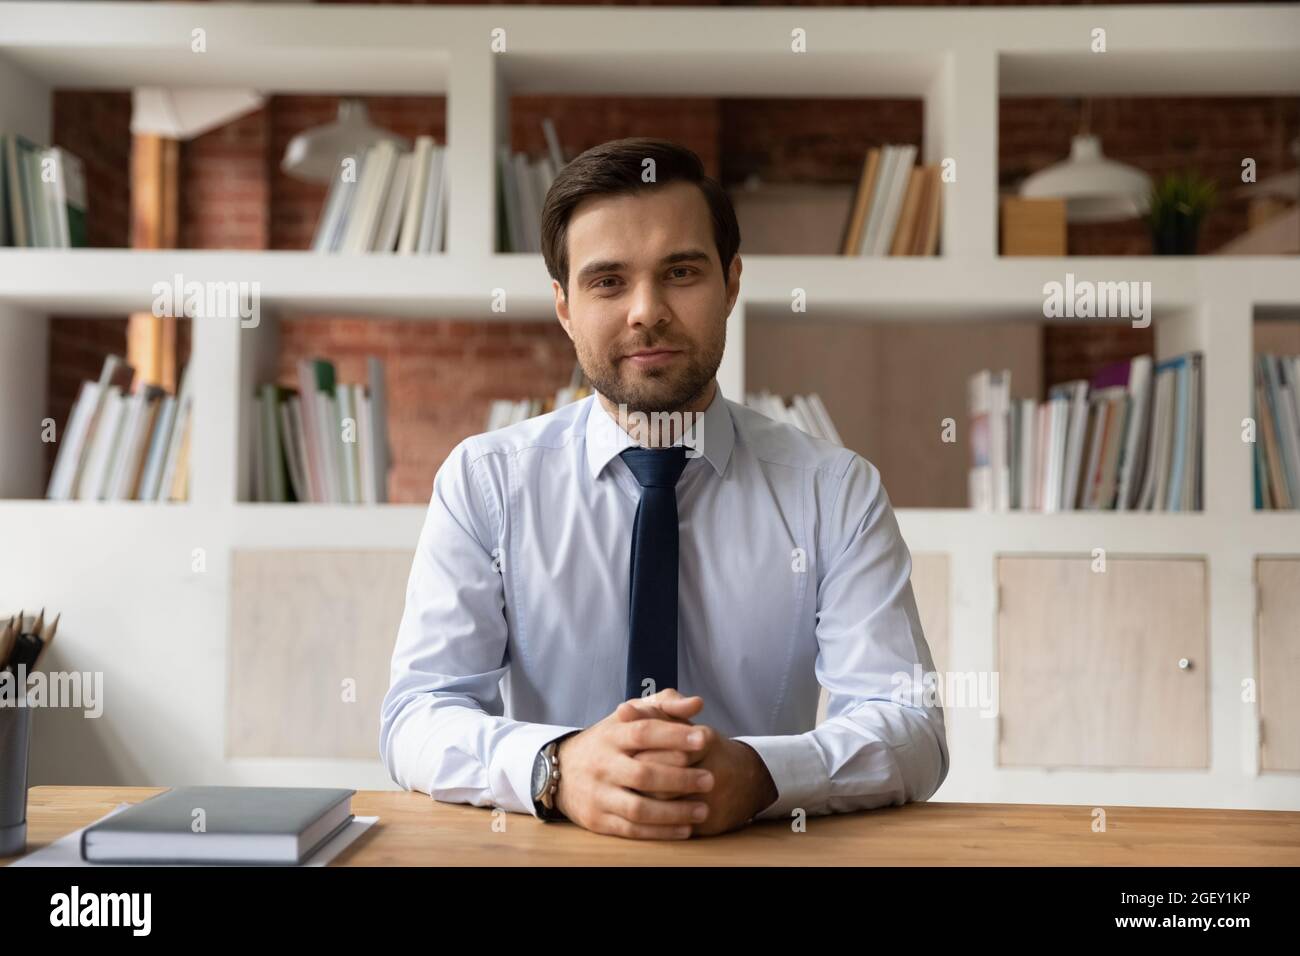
15,745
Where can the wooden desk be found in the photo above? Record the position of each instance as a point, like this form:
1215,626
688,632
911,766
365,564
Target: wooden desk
414,829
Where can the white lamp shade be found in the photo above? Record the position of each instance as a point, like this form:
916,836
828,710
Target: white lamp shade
185,113
1095,189
314,155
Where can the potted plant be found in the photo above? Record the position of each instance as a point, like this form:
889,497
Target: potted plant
1175,208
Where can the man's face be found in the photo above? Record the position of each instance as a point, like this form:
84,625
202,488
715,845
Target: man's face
647,306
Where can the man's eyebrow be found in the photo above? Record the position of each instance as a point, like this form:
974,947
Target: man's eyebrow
614,265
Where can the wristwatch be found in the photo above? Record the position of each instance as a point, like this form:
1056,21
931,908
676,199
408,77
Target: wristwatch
546,779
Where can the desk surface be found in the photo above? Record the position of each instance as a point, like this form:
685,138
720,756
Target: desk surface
414,829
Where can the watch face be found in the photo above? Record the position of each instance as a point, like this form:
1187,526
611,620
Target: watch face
541,773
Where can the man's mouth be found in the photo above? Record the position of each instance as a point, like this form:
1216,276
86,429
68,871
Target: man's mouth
647,358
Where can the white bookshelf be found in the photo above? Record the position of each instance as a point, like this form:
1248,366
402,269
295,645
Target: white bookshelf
162,626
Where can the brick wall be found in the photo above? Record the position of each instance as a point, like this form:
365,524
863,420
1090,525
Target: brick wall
225,192
441,377
95,127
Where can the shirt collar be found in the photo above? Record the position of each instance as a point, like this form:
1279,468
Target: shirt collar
713,436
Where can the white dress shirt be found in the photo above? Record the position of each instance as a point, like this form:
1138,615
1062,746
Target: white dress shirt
792,576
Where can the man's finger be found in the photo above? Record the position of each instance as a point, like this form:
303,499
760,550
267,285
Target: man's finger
636,808
654,734
660,777
673,758
616,826
680,708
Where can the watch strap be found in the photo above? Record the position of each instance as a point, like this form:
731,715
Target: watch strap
552,814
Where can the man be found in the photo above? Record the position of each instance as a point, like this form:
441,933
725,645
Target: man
660,605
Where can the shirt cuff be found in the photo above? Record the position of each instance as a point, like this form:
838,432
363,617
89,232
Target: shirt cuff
512,772
796,767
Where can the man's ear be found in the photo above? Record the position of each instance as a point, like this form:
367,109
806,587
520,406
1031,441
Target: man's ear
733,282
562,309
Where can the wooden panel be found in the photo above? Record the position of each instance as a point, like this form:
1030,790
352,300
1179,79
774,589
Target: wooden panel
867,374
1276,337
1088,663
792,218
303,623
930,586
1278,583
1033,227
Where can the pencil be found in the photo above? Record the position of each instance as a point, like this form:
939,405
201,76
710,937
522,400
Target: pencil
47,638
7,638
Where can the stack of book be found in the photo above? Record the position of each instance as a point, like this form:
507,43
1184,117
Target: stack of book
1277,424
42,195
120,445
1126,441
505,411
325,441
895,211
805,412
397,202
523,184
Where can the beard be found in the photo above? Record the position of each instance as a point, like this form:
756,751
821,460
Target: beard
667,389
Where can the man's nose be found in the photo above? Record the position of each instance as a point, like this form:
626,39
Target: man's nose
647,305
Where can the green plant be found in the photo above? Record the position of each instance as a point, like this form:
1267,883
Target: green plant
1185,196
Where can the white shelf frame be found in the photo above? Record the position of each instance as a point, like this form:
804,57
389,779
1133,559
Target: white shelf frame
958,61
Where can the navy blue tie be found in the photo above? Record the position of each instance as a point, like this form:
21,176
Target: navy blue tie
652,648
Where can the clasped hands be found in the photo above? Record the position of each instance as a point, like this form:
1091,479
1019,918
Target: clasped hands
646,772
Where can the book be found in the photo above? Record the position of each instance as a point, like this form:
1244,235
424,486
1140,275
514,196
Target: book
861,203
555,152
327,439
415,195
42,195
1129,439
909,215
1178,456
889,162
152,476
989,480
1132,460
435,198
394,205
114,374
900,176
372,190
378,459
103,447
522,185
72,444
249,825
931,211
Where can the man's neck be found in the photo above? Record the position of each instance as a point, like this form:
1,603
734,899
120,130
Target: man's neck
660,429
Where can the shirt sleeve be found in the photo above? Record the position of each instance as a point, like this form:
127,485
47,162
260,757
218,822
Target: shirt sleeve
441,729
883,740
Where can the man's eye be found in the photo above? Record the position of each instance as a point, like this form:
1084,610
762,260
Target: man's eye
600,282
685,270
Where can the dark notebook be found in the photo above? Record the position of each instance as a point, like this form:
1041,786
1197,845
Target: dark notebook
236,825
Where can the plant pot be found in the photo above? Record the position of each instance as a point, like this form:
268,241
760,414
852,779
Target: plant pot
1176,236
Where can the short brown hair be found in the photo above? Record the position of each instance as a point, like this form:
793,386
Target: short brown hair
615,168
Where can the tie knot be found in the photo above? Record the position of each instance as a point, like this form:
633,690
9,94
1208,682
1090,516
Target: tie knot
656,467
